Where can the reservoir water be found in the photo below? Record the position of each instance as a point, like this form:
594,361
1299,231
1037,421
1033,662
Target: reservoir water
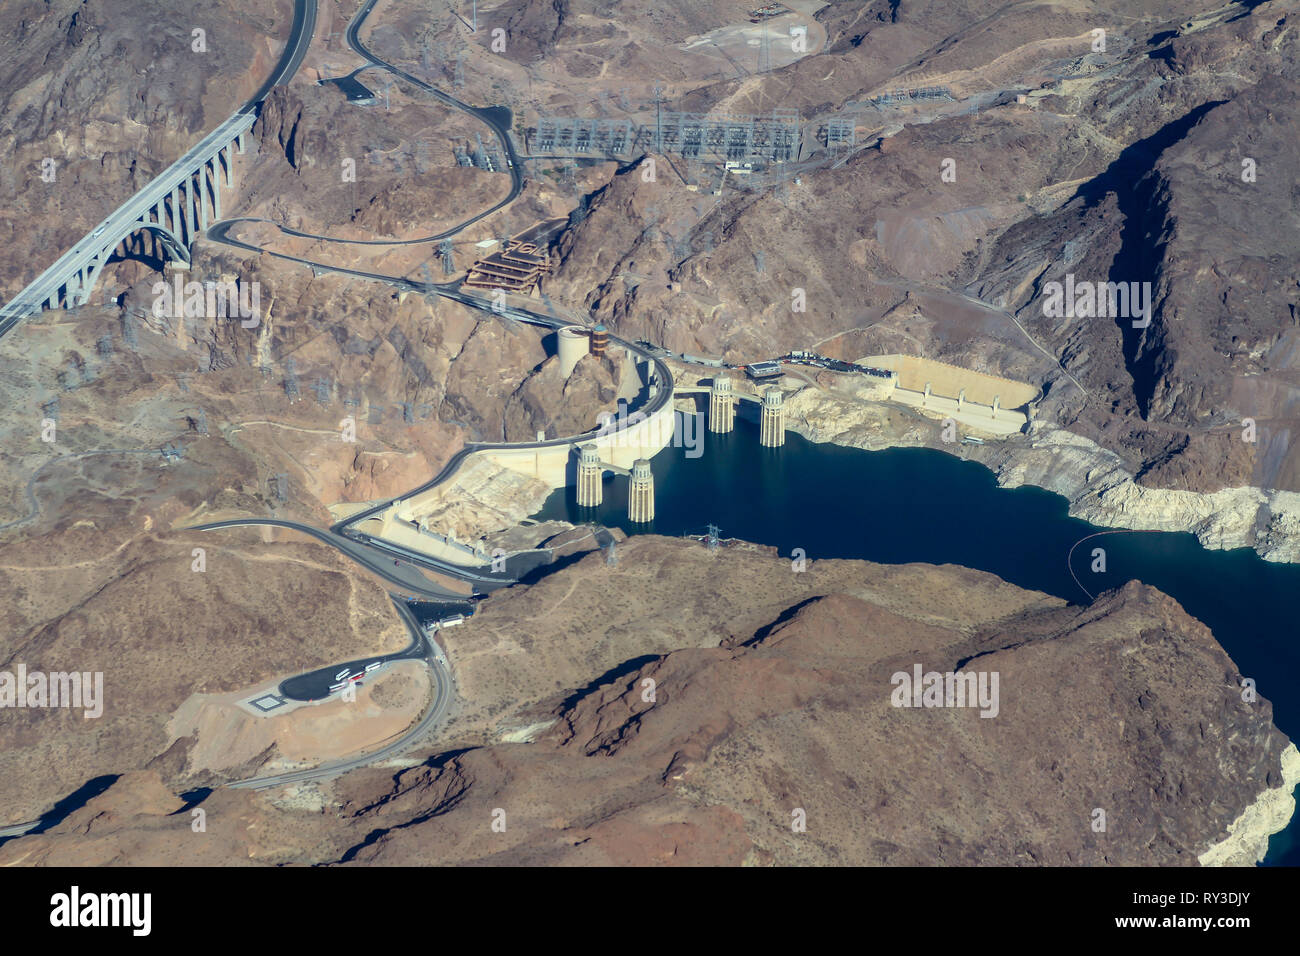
913,504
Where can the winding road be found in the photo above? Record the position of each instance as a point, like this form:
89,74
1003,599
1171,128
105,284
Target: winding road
383,566
341,535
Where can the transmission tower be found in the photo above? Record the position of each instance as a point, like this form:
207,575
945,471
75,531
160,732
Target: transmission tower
291,381
713,537
659,122
764,52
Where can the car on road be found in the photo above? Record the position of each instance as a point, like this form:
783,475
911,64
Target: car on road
343,673
96,234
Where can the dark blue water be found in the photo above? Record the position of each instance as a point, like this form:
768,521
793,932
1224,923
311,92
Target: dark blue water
910,504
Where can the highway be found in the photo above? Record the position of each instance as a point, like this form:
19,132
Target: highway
340,535
125,219
497,118
408,579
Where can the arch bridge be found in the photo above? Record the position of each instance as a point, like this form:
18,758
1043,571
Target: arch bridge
171,211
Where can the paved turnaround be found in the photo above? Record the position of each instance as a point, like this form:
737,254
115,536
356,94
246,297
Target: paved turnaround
439,702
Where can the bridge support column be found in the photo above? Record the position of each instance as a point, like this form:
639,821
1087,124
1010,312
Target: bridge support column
204,185
176,225
190,215
591,492
216,187
771,432
641,493
722,409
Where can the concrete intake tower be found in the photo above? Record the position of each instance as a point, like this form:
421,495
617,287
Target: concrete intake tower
722,408
641,493
591,491
771,432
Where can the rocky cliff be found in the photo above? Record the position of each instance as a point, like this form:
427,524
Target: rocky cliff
772,733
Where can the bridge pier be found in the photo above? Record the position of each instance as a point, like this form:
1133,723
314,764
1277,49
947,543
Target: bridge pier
591,491
175,208
216,188
722,409
771,432
190,217
641,493
203,188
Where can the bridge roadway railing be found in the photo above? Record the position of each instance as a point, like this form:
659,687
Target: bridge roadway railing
77,269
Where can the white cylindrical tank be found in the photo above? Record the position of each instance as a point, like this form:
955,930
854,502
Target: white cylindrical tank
573,343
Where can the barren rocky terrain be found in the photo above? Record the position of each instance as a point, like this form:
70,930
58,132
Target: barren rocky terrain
717,718
681,706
